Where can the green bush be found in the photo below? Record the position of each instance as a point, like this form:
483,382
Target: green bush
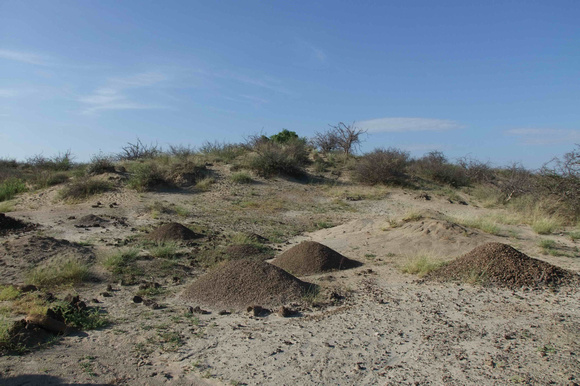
382,167
284,136
10,188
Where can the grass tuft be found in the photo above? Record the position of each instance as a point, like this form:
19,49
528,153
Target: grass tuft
422,264
83,188
545,226
10,188
241,178
59,274
119,261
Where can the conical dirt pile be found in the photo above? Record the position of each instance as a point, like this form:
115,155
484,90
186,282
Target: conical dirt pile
501,265
242,283
172,232
310,257
12,225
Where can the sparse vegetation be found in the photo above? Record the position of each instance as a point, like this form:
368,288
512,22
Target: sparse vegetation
60,273
119,261
166,250
10,188
83,188
422,264
241,178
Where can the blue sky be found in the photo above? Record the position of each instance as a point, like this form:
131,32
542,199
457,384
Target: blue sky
498,80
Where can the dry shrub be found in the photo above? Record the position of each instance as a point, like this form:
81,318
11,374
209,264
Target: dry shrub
435,166
382,167
83,188
275,158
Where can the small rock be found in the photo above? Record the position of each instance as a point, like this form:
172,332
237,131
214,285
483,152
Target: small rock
223,312
137,299
257,310
106,294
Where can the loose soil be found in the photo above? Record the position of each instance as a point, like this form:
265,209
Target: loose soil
500,264
91,221
243,283
242,251
18,256
12,225
172,232
310,257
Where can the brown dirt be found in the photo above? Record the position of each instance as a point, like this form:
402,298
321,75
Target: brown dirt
500,264
310,257
12,225
91,221
242,283
242,251
172,232
20,255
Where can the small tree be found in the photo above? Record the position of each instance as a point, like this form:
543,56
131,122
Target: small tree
347,136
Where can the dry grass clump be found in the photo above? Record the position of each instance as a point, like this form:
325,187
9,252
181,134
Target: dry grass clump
241,178
482,222
60,273
273,157
83,188
164,171
422,264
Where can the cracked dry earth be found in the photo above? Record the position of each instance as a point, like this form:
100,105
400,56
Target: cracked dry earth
391,328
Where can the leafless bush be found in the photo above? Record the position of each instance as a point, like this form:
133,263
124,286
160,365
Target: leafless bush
515,180
476,170
59,162
347,137
138,150
382,167
181,151
560,178
435,166
326,142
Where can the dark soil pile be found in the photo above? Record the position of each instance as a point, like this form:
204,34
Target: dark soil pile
12,225
242,251
501,265
247,282
310,257
91,221
18,256
172,232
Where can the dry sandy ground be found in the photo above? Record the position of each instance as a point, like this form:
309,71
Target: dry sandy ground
390,329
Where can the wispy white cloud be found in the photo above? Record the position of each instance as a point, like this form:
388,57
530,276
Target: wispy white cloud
115,96
25,57
15,92
396,125
537,136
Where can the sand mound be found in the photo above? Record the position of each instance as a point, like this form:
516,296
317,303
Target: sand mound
172,232
310,257
242,251
499,264
241,283
18,256
90,221
12,225
440,229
